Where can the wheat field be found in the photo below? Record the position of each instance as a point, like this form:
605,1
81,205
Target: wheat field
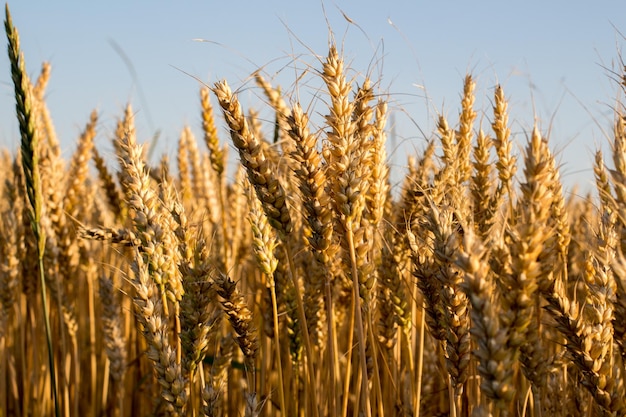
304,284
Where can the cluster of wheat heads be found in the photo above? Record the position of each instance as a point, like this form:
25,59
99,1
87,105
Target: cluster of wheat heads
305,286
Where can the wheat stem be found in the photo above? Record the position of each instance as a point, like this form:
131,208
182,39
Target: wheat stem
360,327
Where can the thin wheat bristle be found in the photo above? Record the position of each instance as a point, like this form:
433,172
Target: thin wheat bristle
211,138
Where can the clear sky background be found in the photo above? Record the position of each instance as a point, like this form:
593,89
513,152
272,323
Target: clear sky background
553,59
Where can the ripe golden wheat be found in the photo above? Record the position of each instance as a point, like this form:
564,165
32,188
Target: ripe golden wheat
307,286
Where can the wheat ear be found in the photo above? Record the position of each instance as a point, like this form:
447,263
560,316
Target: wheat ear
506,164
79,168
240,318
150,314
495,363
464,133
603,184
483,201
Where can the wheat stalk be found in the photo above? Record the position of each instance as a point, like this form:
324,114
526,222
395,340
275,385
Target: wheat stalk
30,163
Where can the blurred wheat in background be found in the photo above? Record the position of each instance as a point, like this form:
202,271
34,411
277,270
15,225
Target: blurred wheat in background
307,286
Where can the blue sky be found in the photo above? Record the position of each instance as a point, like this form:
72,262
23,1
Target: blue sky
552,57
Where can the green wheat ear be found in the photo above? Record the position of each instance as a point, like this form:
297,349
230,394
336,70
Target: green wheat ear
24,108
30,163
